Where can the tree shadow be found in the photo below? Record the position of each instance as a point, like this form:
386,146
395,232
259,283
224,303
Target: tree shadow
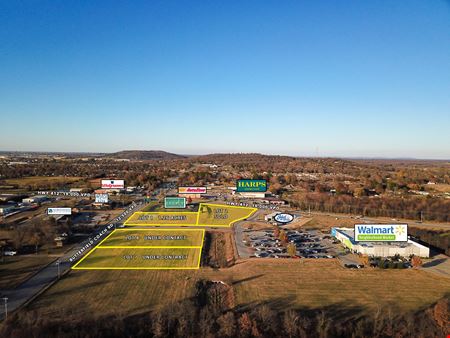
434,262
246,279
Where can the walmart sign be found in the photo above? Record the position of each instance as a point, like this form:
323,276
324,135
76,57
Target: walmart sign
381,232
251,186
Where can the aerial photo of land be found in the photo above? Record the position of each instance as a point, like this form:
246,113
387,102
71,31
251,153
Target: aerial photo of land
224,169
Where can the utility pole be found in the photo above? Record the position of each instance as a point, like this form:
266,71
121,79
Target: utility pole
6,307
421,216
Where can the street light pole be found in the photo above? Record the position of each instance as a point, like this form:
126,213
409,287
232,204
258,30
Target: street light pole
57,264
6,307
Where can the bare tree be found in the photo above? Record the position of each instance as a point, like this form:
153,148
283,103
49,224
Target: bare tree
227,324
245,325
290,323
323,324
158,325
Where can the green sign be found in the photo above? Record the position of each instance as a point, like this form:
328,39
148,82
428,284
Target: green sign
251,186
376,238
174,202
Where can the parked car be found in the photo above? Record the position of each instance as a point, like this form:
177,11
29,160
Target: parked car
353,266
261,254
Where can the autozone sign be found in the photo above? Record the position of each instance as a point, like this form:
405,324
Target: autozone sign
192,190
113,184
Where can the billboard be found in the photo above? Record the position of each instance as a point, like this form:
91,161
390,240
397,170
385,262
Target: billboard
381,232
251,186
113,184
59,211
101,198
192,190
174,202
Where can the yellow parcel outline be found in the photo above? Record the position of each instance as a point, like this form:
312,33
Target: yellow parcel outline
251,211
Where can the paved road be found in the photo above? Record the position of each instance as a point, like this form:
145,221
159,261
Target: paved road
26,291
243,251
348,259
439,265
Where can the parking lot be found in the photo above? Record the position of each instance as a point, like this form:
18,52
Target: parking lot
308,243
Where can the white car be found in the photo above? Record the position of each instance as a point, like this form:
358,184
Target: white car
10,253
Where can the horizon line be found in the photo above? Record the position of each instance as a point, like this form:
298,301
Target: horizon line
234,153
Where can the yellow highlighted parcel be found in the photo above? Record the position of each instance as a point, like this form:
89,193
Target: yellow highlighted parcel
146,249
161,248
101,258
154,238
215,215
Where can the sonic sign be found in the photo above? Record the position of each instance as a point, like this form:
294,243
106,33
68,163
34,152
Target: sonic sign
381,232
251,186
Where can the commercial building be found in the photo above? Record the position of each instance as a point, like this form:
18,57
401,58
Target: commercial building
379,249
6,209
270,217
108,191
273,200
76,189
35,199
251,194
192,192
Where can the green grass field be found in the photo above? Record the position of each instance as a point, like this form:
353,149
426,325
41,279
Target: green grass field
155,237
141,258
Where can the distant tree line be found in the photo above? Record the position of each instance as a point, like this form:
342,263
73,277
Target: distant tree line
436,209
437,239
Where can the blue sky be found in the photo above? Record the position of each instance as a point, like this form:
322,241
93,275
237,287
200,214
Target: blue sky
327,78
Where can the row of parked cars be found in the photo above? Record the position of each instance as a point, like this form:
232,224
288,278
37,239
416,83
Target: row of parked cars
266,245
308,244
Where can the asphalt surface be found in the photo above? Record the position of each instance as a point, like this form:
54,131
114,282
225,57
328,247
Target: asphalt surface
439,265
243,251
45,277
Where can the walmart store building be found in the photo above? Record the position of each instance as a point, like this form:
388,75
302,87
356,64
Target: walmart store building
379,249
